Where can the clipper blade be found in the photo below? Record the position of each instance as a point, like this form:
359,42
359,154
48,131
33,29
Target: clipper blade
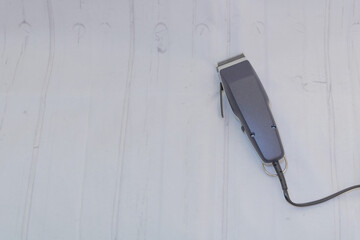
231,61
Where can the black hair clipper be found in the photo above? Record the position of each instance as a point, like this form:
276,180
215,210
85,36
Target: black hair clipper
250,104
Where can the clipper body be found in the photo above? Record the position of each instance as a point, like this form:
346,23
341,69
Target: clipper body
250,104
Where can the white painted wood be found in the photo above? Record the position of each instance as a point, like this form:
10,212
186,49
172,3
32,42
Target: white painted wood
110,125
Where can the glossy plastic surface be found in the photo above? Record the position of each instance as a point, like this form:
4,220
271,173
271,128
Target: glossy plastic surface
250,104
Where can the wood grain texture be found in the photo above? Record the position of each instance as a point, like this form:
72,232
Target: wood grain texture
110,125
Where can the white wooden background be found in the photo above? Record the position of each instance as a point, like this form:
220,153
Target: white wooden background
110,125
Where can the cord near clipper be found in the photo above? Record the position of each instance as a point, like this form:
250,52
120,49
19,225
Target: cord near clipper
250,104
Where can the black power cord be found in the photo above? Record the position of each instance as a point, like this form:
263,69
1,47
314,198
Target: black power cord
281,176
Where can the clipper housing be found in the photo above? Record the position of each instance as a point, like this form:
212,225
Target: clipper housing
250,104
